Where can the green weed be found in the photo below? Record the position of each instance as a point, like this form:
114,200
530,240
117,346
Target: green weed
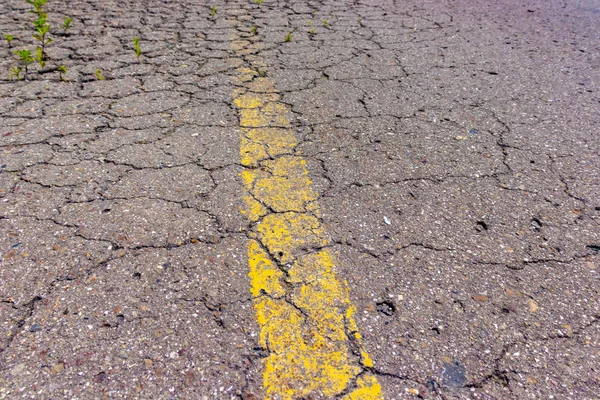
324,22
15,72
288,37
67,23
259,1
9,38
38,6
309,23
99,75
312,31
213,11
254,29
62,70
25,57
42,28
39,57
137,48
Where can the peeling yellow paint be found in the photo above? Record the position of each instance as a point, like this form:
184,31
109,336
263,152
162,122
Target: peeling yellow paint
264,273
248,101
304,312
252,152
368,389
254,210
278,141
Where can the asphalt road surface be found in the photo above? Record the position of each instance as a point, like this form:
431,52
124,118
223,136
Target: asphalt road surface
356,200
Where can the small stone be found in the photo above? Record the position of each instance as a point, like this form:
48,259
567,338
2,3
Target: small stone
35,328
453,374
148,362
461,138
531,380
480,298
413,391
568,330
17,369
458,307
533,306
58,368
190,377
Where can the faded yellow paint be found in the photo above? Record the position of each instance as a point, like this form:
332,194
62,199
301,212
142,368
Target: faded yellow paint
367,389
261,85
254,210
304,312
277,141
248,101
285,235
252,152
270,115
265,275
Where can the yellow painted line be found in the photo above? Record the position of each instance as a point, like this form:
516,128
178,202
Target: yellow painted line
304,312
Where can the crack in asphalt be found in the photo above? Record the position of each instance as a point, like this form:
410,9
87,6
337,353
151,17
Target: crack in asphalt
410,51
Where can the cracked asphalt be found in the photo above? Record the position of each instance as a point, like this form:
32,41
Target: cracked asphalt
445,152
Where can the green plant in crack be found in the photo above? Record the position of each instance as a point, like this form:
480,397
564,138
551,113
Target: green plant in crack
62,71
25,58
254,29
38,6
288,37
213,11
137,47
324,22
42,28
67,24
39,57
15,72
260,72
312,31
99,75
259,1
9,38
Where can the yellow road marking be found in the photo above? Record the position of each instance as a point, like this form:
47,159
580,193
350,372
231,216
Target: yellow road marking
304,312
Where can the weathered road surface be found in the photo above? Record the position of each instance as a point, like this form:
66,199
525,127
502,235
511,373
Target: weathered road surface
302,200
